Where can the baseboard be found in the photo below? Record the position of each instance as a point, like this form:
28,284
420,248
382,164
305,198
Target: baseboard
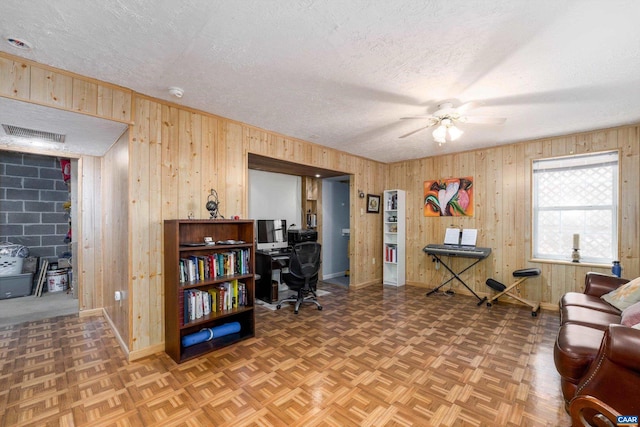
90,312
549,306
147,351
418,285
123,345
131,355
364,284
332,275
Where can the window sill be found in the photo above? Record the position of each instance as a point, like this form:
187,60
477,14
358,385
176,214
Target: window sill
574,264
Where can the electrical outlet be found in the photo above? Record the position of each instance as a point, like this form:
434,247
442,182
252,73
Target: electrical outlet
118,296
373,261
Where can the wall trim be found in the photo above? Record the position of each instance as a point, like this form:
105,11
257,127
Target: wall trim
90,312
116,333
147,351
131,355
332,275
62,71
365,284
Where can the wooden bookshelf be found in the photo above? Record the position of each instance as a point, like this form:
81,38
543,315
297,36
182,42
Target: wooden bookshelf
184,239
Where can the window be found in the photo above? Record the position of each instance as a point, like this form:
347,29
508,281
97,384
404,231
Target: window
576,195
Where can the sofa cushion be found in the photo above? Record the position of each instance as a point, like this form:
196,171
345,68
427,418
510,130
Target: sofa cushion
625,295
584,300
588,317
631,316
576,347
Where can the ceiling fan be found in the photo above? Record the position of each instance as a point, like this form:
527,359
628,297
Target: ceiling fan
446,118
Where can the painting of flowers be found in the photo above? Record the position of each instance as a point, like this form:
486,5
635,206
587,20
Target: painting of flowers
449,197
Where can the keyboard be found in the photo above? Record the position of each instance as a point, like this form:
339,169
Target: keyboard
457,250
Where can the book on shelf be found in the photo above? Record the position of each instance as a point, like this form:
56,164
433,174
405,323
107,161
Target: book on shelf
213,298
197,268
198,303
390,253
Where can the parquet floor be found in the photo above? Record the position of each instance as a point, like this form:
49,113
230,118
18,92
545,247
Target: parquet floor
372,357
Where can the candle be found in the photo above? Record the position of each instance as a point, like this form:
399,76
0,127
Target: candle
576,241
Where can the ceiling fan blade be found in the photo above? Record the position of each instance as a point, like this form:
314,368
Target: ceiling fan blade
467,106
485,120
416,117
415,131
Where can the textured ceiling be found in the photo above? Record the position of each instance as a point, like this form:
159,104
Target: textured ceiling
343,73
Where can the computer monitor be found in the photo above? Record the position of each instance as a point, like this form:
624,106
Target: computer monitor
272,234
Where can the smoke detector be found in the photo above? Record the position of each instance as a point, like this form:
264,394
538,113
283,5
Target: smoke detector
176,91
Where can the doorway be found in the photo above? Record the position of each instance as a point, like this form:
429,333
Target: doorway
335,231
39,202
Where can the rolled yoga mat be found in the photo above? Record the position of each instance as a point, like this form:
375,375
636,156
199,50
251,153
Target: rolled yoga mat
208,334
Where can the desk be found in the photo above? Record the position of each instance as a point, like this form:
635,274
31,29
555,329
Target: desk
269,266
439,251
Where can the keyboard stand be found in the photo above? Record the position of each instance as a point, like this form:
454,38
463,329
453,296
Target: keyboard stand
456,276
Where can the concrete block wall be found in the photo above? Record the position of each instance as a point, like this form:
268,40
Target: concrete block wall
32,194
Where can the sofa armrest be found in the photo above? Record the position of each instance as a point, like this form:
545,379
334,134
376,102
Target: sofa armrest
597,284
588,411
622,346
614,375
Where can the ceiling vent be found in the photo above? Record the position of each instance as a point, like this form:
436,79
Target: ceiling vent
33,134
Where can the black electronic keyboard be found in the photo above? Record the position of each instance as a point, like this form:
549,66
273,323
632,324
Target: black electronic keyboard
457,250
477,254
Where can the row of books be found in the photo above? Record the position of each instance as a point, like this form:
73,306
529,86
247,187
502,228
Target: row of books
225,296
197,268
390,253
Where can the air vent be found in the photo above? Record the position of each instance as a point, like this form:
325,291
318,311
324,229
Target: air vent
33,134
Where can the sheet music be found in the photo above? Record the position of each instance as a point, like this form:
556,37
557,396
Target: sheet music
469,237
452,236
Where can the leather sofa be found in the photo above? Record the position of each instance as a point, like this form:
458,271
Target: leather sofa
598,359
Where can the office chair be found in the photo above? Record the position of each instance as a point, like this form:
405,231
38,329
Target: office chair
302,277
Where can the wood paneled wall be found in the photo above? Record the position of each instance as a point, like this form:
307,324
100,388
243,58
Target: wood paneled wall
35,83
367,175
114,217
90,233
28,81
178,155
502,192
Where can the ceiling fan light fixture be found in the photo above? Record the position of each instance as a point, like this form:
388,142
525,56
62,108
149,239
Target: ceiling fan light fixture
445,119
455,133
440,133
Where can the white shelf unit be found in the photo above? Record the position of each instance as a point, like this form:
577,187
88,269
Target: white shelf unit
394,238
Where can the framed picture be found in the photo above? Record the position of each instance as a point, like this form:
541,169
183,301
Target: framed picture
373,203
449,197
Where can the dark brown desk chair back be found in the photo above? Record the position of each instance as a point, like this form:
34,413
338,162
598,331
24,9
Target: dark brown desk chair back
304,266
